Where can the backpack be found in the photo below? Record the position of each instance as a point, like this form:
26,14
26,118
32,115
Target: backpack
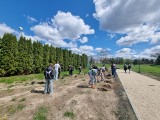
129,66
49,73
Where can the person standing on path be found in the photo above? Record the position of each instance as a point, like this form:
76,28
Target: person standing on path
49,74
56,67
129,67
112,69
125,68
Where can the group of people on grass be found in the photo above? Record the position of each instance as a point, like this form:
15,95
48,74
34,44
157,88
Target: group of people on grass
96,72
52,72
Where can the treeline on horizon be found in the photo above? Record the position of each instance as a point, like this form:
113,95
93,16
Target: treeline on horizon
21,56
119,60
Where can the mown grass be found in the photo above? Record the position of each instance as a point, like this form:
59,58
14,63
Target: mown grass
40,76
41,113
145,69
21,78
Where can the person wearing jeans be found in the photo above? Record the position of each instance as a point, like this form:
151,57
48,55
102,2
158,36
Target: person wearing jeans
49,74
48,86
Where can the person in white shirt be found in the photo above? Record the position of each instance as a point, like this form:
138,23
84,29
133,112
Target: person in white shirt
56,67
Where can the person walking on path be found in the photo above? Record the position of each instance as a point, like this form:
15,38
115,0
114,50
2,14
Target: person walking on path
56,67
114,70
129,67
125,68
49,74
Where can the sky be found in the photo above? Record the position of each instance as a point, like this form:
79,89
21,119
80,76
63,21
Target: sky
120,28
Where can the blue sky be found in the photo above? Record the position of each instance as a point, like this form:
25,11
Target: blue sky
124,28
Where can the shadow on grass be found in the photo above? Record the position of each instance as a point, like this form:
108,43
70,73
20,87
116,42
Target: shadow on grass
37,91
41,82
83,86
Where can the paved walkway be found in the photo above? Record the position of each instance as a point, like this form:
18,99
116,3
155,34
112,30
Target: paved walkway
143,93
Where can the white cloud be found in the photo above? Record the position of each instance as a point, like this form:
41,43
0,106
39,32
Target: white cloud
98,49
83,40
131,54
143,33
123,15
137,19
62,26
111,35
147,53
33,38
102,49
87,15
125,53
70,27
75,50
31,19
6,29
88,50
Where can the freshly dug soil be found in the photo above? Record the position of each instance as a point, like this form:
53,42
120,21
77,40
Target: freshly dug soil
72,99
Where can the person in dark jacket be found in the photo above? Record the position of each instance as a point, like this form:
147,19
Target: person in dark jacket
112,69
70,69
129,67
125,68
80,69
49,74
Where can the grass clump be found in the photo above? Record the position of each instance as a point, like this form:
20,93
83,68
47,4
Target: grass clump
69,114
12,109
23,99
20,107
13,99
41,113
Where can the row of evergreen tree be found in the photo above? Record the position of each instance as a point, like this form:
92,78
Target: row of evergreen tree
24,57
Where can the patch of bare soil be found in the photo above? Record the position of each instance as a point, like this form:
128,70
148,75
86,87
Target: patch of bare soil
107,101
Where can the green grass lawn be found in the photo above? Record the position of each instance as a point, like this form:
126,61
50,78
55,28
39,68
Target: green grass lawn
39,76
145,69
21,78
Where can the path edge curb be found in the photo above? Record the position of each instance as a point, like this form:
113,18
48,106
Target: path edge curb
133,107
